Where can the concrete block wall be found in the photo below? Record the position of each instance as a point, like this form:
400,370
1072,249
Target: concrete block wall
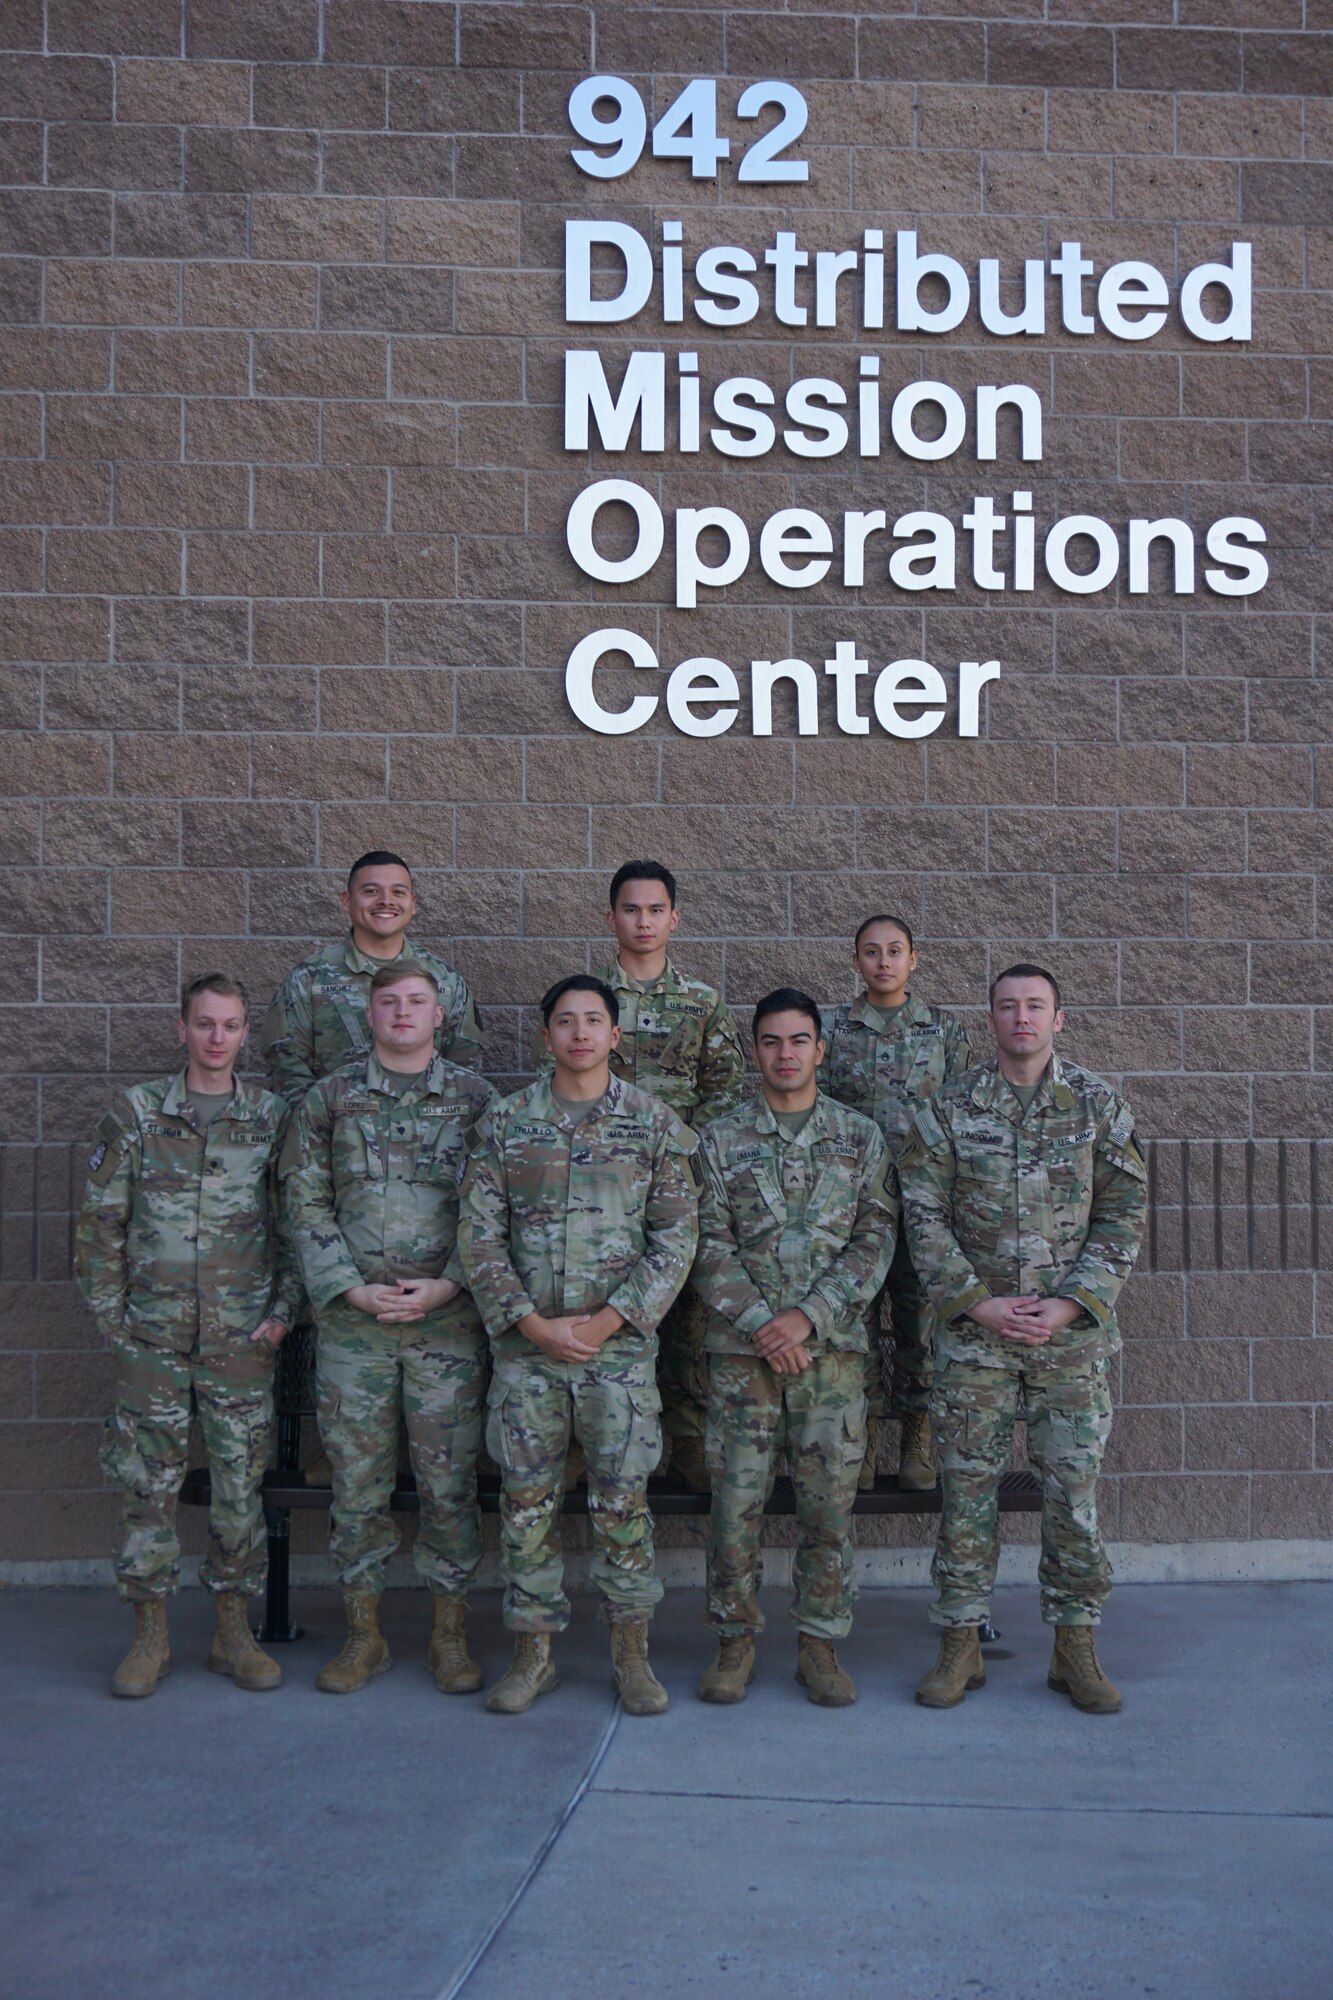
284,575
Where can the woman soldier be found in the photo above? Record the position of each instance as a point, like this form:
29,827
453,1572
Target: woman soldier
886,1051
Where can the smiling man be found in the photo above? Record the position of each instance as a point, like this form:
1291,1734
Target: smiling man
580,1220
1025,1195
183,1257
370,1173
797,1224
318,1020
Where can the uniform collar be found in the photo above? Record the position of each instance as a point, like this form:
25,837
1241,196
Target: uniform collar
545,1104
431,1084
814,1128
668,979
992,1089
176,1103
915,1012
360,961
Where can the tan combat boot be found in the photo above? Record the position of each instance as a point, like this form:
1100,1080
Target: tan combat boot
865,1478
1076,1671
957,1670
640,1691
366,1652
817,1669
532,1673
729,1677
455,1670
916,1454
687,1464
149,1658
234,1650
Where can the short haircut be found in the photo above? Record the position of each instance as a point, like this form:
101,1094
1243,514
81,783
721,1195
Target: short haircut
899,924
401,969
220,983
786,1000
579,982
643,871
1025,971
378,857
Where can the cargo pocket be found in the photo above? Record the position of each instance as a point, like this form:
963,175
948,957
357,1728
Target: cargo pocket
643,1442
854,1424
497,1439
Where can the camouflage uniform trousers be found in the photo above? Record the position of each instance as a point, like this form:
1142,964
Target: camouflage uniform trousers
432,1374
818,1418
910,1339
614,1410
682,1366
1068,1422
144,1453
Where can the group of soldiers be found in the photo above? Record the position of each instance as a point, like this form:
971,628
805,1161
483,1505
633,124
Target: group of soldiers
629,1244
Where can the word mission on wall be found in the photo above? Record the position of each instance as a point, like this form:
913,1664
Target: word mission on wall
659,400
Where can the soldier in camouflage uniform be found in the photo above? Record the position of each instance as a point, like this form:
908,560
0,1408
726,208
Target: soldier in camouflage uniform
796,1227
185,1262
678,1041
318,1020
579,1223
886,1052
371,1175
1026,1195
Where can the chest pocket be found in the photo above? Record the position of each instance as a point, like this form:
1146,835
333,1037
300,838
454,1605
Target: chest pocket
243,1162
983,1189
927,1071
440,1159
357,1153
832,1203
352,1032
170,1160
1069,1175
755,1201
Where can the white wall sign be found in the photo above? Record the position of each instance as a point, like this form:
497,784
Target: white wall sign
658,400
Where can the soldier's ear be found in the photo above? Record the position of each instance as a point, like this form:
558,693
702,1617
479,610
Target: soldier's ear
615,1036
1059,1021
345,901
675,919
180,1031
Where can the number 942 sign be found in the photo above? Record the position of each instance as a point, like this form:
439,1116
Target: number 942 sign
687,130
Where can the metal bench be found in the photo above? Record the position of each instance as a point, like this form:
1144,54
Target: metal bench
286,1490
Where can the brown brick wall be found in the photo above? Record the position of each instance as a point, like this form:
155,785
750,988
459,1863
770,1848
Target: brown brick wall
281,548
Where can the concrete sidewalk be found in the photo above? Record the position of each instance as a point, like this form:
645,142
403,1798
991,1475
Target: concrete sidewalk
209,1845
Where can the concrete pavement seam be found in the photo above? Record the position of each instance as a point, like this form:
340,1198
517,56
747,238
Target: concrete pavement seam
534,1867
948,1805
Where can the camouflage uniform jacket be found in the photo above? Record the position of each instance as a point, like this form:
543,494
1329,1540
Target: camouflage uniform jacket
371,1176
564,1218
885,1069
1004,1203
677,1041
318,1020
181,1239
808,1221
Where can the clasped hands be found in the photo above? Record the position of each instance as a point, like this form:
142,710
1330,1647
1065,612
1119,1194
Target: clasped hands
405,1300
572,1336
781,1342
1029,1320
